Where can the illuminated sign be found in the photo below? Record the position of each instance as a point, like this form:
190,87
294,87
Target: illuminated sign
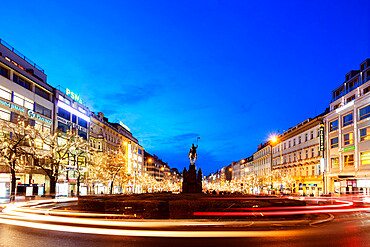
11,106
347,149
73,96
321,133
73,111
32,114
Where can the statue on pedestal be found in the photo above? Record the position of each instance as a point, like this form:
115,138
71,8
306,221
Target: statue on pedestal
192,180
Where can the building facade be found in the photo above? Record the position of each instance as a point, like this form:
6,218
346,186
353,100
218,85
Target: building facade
297,154
347,135
24,95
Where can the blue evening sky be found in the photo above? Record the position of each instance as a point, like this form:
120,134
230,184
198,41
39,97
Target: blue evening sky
230,72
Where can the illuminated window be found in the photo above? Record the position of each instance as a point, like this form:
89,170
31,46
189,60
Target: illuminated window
347,120
5,93
313,171
365,158
23,101
348,160
335,162
365,134
334,142
334,125
365,112
348,138
4,114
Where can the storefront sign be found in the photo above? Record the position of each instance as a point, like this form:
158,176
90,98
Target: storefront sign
321,137
71,124
73,96
32,114
12,106
348,149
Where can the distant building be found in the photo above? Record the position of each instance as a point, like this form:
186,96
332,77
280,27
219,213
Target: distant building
297,154
262,160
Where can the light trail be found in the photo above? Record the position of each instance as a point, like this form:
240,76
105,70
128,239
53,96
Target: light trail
33,215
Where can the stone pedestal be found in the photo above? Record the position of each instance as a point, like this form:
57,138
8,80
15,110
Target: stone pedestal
192,180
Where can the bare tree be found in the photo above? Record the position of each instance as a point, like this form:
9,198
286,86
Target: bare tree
15,141
50,152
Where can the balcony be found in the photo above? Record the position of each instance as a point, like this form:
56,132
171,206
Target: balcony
351,89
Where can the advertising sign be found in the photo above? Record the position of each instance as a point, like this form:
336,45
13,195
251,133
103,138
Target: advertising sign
321,134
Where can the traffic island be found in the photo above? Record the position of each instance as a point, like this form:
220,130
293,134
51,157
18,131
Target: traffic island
181,206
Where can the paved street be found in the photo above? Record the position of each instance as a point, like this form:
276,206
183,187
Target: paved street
344,230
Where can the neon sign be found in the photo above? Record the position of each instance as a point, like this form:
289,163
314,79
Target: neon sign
73,96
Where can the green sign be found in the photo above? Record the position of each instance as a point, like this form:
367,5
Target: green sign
348,149
73,96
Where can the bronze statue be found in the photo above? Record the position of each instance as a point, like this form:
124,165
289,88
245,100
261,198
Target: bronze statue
193,154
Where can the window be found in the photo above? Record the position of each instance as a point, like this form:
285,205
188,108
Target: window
350,98
41,92
365,134
63,127
21,82
311,135
313,171
289,144
306,153
5,93
334,125
294,157
334,142
348,138
64,113
299,140
23,101
347,120
365,112
300,155
312,152
336,106
67,101
335,162
4,114
365,158
42,110
4,72
82,122
293,142
306,137
74,118
139,151
82,134
348,160
366,90
318,133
